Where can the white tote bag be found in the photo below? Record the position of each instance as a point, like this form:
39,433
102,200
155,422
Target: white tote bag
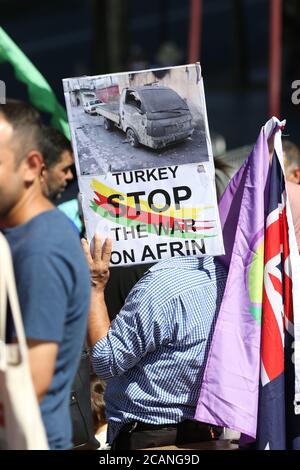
21,425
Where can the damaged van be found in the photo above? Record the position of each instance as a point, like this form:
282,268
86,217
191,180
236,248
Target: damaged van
154,116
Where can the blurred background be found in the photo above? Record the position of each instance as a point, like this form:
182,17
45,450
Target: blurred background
231,38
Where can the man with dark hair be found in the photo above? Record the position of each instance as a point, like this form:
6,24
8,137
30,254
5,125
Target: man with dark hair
51,273
22,115
58,158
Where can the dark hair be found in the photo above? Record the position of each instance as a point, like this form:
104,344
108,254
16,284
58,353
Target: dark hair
26,123
97,401
52,143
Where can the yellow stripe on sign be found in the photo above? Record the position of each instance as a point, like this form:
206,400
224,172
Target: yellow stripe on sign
183,213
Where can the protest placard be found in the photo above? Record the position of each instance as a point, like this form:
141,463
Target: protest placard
144,162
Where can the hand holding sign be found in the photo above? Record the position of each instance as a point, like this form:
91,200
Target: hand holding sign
98,260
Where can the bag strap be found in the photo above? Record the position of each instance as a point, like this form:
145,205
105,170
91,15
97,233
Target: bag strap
8,291
3,294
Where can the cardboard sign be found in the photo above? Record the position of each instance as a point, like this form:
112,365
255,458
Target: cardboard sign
144,163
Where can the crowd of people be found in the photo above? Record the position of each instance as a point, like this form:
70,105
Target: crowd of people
148,328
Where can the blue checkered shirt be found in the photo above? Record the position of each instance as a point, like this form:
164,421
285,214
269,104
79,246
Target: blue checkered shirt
154,353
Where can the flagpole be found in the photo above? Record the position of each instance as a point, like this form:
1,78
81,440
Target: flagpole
195,30
275,51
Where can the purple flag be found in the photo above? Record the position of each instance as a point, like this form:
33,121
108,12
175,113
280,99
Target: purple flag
229,390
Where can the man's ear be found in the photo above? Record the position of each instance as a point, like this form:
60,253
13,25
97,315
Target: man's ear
34,164
296,174
43,174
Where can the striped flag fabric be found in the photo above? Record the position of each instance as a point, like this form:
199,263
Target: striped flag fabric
277,315
274,414
230,389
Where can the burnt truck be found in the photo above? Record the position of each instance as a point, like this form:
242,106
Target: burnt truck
154,116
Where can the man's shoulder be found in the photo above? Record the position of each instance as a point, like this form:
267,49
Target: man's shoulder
53,221
188,264
173,276
179,262
44,230
48,235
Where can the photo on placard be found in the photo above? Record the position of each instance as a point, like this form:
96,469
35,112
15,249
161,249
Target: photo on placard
129,121
144,163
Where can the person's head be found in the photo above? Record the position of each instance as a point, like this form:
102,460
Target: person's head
20,160
97,402
58,158
291,160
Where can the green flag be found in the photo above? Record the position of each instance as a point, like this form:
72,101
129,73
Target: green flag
39,90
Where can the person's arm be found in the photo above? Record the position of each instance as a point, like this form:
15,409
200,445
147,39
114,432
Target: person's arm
45,285
42,357
138,329
98,322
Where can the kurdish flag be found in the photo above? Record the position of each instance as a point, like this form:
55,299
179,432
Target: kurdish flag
39,90
230,388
